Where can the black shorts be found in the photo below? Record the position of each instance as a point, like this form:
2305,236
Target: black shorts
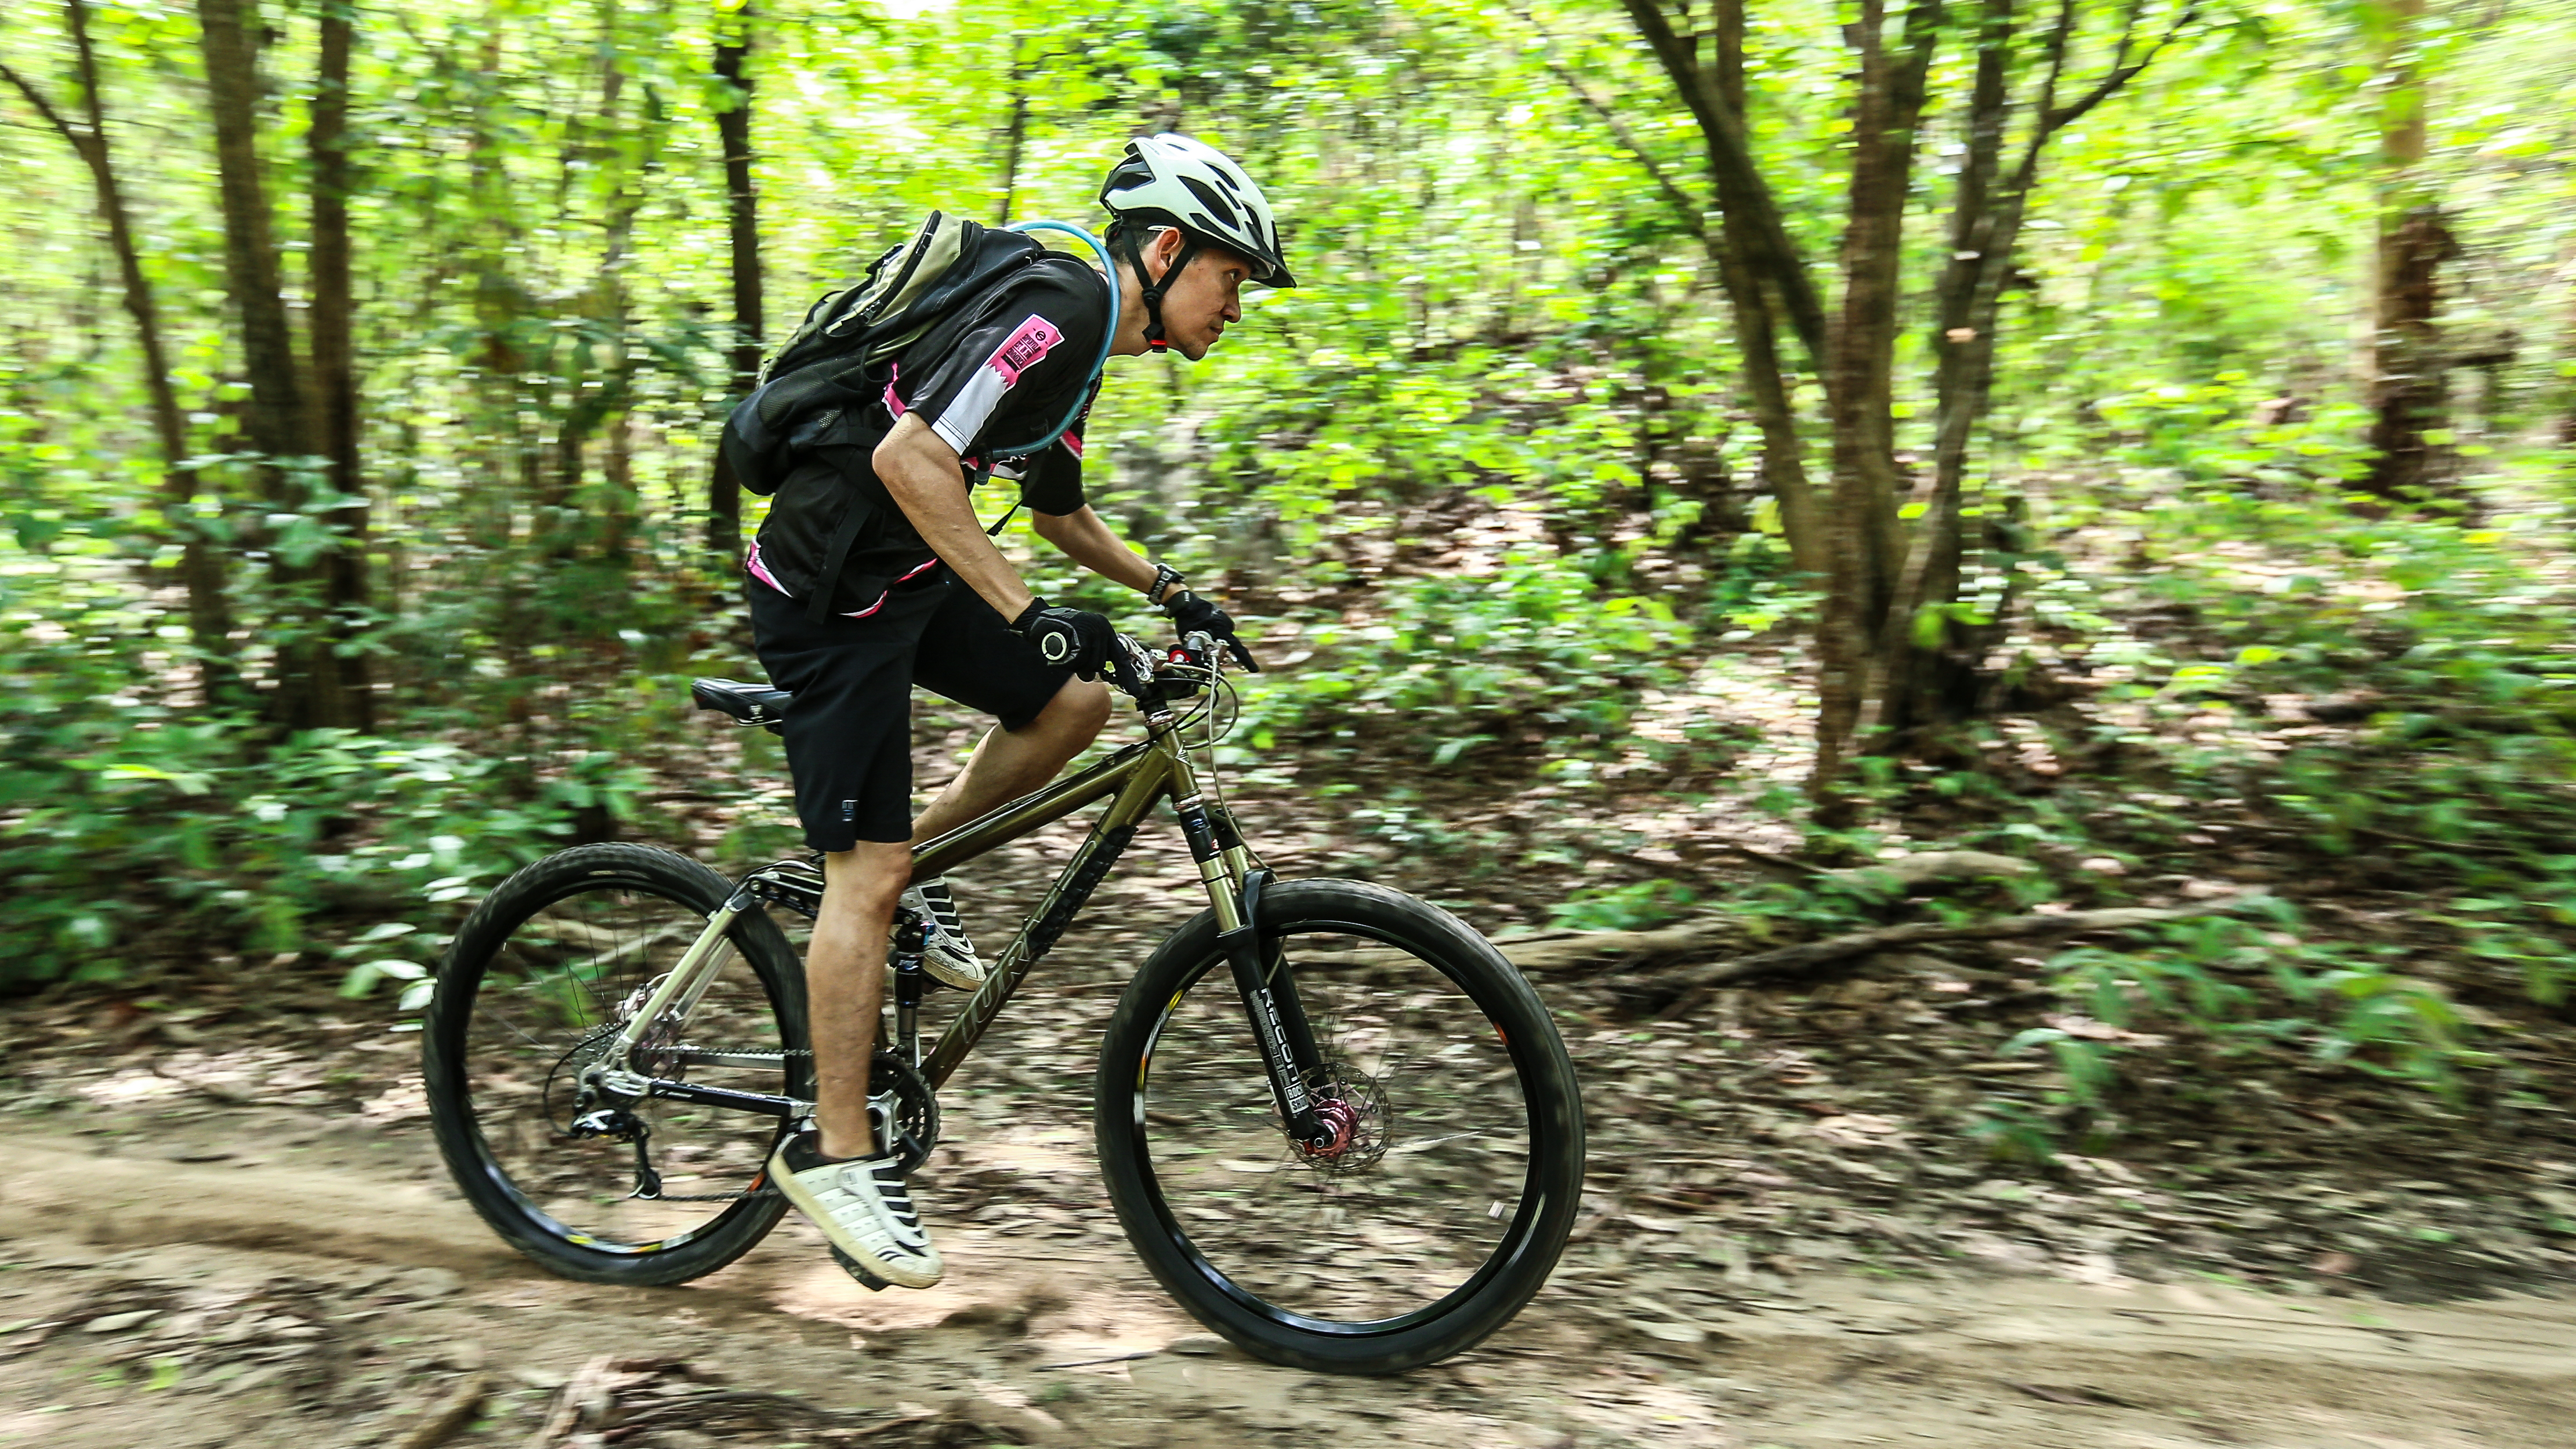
849,731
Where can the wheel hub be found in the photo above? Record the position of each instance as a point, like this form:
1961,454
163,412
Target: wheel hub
1352,1114
653,1054
1340,1124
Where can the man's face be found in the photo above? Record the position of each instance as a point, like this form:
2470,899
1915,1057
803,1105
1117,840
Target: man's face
1205,301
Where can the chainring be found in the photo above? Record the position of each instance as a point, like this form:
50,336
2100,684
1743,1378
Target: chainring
916,1108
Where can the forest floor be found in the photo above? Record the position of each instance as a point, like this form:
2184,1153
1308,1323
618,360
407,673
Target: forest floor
223,1221
298,1284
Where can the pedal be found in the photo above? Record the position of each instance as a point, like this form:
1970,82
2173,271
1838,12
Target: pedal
866,1279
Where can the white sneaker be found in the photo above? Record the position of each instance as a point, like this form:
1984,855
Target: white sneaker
946,953
862,1205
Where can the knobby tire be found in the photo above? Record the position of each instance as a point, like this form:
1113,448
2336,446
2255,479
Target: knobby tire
1374,1266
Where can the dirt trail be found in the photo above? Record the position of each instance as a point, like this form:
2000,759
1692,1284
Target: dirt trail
303,1287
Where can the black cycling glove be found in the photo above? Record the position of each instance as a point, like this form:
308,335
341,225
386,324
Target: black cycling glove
1079,640
1194,615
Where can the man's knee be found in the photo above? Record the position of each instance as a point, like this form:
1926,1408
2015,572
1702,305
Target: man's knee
868,878
1079,711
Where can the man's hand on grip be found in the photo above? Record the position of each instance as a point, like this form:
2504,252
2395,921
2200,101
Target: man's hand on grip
1079,640
1194,615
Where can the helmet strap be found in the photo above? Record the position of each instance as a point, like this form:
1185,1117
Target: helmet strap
1154,288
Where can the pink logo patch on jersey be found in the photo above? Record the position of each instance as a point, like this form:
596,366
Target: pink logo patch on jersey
1020,351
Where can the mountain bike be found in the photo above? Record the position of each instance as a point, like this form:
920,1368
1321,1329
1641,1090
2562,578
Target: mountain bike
1336,1125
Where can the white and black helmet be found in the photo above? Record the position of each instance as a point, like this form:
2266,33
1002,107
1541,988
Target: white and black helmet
1170,180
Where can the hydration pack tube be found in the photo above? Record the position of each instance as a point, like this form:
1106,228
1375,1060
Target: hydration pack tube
1108,335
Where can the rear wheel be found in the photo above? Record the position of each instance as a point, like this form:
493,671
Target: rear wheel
540,980
1449,1193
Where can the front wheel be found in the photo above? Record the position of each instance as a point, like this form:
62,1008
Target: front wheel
1452,1182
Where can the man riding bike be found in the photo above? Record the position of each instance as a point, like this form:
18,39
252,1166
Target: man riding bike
1188,229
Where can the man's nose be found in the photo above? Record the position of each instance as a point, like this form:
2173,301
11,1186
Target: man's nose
1233,310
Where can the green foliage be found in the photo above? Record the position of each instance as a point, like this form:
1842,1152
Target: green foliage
2014,1132
1530,651
126,818
2243,986
2200,433
192,825
1634,907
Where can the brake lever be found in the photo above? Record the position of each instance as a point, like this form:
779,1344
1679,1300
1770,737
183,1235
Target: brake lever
1200,642
1140,661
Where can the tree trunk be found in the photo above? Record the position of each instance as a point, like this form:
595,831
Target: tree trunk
2411,395
276,419
2408,387
484,245
1870,671
1866,546
598,396
742,219
2567,366
1756,265
1015,135
333,322
1784,466
1932,661
1768,253
201,566
309,693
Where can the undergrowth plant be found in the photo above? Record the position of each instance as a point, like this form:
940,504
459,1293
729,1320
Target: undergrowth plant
1530,653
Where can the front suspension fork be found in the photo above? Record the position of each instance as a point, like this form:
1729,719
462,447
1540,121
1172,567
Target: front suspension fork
1289,1055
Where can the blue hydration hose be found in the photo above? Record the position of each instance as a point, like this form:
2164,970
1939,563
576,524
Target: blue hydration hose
1108,336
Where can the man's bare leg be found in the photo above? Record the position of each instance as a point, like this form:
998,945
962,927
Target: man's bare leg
845,965
835,1175
845,986
1008,764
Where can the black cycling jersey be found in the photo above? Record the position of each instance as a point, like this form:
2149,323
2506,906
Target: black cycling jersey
998,375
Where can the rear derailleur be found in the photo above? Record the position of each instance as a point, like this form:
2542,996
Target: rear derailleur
618,1125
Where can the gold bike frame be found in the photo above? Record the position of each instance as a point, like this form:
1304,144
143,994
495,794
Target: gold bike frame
1133,779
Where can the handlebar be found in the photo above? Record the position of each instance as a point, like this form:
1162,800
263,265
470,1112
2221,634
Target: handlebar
1198,659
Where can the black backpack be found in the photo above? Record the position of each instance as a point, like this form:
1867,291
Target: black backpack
840,357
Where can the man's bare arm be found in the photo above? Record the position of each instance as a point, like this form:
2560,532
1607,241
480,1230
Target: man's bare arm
1086,540
922,472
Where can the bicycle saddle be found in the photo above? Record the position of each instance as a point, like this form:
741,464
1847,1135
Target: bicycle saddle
748,704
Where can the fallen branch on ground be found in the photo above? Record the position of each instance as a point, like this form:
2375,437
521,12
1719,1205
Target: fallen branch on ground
1910,872
1812,954
1573,949
1564,951
1550,952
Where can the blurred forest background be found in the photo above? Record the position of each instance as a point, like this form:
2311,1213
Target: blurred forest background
1717,446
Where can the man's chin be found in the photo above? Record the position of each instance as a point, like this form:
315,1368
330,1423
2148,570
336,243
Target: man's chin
1192,350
